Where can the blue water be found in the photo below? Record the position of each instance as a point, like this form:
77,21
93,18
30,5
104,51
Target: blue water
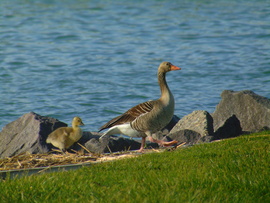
96,59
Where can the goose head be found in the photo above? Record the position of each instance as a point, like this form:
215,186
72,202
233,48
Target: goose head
77,121
165,67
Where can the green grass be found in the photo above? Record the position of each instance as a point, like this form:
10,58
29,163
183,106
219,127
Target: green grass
234,170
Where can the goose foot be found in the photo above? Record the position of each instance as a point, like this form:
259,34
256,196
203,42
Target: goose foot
163,143
167,144
141,150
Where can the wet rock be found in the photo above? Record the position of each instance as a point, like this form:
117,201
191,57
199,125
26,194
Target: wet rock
27,134
252,110
198,121
230,128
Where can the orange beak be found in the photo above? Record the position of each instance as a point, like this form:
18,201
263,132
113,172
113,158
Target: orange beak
175,67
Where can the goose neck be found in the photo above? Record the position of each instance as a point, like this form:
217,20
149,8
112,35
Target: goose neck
165,91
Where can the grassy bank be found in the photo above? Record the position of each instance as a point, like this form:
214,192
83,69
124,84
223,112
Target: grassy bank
234,170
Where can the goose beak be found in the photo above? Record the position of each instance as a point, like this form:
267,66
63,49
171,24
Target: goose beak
175,67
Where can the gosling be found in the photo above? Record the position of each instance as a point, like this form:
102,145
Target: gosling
65,137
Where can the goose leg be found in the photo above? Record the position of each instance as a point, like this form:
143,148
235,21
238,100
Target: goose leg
163,143
142,145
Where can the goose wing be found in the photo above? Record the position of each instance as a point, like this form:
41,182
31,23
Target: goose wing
130,115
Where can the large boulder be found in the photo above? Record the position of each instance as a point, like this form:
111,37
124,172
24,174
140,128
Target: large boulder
27,134
252,110
198,121
193,128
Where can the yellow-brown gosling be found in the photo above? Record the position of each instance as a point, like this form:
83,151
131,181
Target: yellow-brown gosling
65,137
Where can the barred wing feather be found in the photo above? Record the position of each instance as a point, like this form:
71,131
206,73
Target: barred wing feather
130,115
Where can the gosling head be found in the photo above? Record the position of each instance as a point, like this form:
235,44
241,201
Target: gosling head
77,121
167,66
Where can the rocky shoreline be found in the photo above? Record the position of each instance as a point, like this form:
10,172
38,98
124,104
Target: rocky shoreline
238,112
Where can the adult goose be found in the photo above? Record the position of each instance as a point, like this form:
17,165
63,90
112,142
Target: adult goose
149,117
65,137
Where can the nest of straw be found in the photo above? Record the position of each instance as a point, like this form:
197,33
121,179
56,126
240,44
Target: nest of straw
27,160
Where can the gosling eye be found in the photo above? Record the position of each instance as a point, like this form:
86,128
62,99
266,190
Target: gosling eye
168,64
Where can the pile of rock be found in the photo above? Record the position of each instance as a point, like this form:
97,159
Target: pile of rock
236,113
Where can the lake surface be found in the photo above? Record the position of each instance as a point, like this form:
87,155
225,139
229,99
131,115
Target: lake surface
96,59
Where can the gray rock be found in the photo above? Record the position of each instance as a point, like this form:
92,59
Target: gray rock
252,110
117,144
230,128
95,146
206,139
86,136
187,136
198,121
27,134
